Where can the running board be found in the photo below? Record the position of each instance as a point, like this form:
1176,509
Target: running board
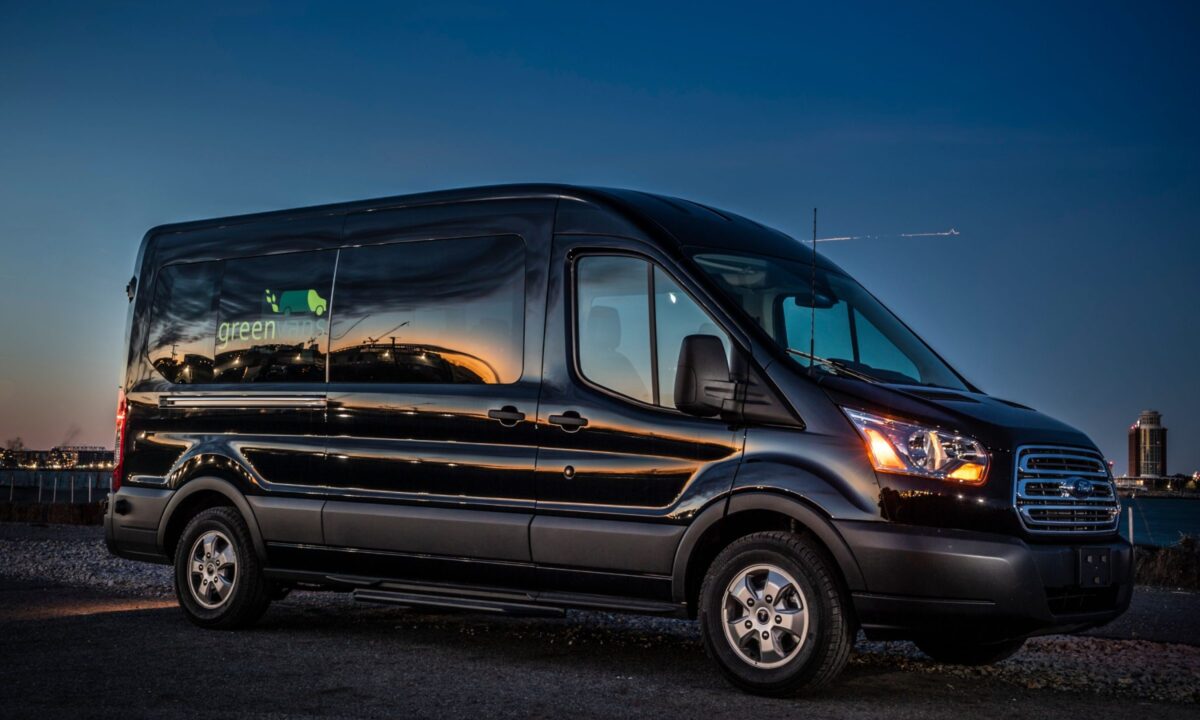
390,597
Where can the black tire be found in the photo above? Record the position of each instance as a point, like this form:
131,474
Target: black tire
819,657
248,593
957,652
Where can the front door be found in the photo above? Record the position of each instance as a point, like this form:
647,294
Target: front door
620,471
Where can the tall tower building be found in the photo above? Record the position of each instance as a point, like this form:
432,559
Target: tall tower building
1148,446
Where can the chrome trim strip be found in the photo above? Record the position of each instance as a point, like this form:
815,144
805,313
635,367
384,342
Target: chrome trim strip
249,402
148,480
1097,463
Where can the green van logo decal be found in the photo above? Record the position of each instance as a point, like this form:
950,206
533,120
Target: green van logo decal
303,321
291,302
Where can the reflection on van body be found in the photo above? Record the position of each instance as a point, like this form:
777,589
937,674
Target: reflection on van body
529,398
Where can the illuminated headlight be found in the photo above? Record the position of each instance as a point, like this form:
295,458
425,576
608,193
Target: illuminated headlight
902,447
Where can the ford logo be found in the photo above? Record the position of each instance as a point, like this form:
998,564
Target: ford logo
1082,488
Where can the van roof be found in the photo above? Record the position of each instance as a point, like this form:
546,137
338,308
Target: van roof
681,222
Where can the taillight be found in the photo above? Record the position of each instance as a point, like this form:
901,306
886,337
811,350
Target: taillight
119,462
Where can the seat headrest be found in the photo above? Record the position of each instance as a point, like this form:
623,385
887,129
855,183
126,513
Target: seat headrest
604,327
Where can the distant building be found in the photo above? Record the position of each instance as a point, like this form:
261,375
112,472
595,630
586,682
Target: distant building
66,457
1148,446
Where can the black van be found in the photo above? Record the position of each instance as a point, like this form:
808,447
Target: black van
537,397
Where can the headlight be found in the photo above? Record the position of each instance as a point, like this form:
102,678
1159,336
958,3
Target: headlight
902,447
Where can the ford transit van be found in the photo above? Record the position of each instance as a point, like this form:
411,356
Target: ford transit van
531,398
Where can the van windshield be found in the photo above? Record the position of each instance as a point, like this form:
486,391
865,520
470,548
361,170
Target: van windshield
855,335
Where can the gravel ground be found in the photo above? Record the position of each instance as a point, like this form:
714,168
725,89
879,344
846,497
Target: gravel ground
38,562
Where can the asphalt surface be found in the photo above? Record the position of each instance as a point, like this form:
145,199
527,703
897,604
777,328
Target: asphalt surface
1160,614
71,648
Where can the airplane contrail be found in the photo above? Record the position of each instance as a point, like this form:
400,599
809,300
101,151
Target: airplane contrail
946,233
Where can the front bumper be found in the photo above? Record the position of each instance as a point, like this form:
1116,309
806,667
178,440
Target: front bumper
980,586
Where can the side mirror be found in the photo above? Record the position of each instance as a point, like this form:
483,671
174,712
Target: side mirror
702,384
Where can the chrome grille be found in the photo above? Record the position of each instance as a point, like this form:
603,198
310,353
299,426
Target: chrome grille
1064,490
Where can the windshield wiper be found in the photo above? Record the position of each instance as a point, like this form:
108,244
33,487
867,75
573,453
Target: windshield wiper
837,365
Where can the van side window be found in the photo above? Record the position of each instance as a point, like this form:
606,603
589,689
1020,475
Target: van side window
182,322
616,299
438,311
613,317
274,318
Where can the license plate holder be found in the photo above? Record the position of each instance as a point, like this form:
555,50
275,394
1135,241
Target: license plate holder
1095,567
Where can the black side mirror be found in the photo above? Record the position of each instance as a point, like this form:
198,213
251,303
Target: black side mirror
702,384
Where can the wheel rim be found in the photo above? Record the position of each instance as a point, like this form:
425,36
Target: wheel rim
212,569
765,616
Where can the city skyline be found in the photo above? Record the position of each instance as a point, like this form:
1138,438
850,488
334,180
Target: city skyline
1064,152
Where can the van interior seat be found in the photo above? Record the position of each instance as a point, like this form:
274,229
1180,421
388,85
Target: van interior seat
605,364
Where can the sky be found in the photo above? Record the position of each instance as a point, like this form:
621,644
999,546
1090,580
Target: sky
1062,142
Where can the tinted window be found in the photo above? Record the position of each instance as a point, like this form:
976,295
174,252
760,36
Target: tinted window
182,322
854,333
614,319
441,311
875,350
832,325
273,318
676,316
614,324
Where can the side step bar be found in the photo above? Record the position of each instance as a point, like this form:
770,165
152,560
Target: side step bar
391,597
474,599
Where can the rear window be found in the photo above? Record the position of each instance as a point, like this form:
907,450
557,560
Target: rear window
261,319
183,323
438,311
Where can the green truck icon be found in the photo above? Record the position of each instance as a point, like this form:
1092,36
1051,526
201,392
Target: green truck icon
289,302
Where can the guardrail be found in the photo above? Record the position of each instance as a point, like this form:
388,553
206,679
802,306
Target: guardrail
54,486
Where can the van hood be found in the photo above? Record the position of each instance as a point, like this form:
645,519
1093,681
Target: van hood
999,424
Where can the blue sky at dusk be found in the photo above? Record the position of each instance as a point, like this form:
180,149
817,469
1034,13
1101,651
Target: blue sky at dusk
1062,142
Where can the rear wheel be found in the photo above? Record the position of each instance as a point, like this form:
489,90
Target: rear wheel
218,579
956,652
772,615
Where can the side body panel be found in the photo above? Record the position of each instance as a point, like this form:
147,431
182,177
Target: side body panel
260,436
435,481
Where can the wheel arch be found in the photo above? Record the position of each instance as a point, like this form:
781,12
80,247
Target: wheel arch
751,511
197,495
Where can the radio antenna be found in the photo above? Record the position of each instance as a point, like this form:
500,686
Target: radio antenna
812,300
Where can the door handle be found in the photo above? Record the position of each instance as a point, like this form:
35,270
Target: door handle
507,415
569,421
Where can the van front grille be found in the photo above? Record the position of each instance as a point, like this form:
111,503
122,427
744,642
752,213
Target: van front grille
1064,490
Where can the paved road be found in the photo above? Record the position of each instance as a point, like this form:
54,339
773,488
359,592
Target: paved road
1158,614
96,654
76,643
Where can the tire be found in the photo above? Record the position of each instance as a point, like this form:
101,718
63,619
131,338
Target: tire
809,631
231,564
953,652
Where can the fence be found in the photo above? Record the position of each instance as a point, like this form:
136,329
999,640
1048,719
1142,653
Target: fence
54,486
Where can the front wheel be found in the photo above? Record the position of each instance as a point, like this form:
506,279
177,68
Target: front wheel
955,652
772,615
218,579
